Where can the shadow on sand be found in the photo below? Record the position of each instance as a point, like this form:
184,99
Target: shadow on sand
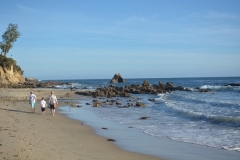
13,110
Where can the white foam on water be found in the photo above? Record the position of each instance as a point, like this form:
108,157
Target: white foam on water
220,87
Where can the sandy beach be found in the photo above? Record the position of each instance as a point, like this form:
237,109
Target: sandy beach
32,136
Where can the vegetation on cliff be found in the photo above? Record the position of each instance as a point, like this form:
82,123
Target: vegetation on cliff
7,63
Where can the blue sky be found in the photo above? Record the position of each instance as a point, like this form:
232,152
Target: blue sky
91,39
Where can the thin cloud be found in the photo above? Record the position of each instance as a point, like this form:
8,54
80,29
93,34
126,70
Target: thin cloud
214,15
137,19
131,20
222,15
24,8
101,32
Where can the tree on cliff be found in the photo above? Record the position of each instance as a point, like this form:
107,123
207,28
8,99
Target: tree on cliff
9,37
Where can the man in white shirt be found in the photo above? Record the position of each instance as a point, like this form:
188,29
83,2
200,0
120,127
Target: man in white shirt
32,101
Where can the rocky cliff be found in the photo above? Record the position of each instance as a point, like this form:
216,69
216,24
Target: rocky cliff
8,75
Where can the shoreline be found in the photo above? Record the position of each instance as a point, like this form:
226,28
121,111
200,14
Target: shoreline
33,136
132,139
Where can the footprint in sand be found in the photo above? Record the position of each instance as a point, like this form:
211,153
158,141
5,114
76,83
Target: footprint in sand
19,156
4,129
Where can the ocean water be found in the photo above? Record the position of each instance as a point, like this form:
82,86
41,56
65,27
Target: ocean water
209,119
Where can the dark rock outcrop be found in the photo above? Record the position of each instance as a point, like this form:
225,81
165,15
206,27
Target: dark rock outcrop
28,79
232,84
145,83
161,86
85,93
117,78
140,104
144,118
205,90
96,103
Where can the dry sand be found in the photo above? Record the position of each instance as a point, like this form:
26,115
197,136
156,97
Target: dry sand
32,136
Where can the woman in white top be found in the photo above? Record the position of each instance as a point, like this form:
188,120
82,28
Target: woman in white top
53,103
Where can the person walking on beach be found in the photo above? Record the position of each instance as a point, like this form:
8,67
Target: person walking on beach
43,105
32,101
53,103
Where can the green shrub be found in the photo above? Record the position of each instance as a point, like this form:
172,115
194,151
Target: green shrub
8,62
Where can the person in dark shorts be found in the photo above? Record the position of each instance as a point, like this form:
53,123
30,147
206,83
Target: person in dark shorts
53,103
43,105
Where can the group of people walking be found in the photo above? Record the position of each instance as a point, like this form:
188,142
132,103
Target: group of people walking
52,103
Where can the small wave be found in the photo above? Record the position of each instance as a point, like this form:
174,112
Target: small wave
213,87
190,89
232,148
235,121
75,86
216,119
191,141
60,86
236,89
220,87
160,96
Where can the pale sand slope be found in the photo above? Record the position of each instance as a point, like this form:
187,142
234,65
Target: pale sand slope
24,135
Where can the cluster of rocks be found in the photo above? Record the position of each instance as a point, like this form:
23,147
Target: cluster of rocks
134,102
33,84
145,88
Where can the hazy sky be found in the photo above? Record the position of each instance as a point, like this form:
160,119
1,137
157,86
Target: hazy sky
81,39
